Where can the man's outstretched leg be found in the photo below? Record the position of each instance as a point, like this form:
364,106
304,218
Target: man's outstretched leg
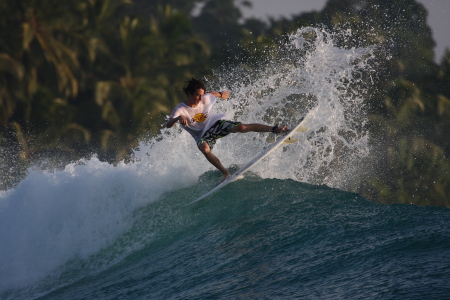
242,128
206,150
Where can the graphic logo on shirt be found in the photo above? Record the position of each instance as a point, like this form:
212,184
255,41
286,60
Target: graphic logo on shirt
200,117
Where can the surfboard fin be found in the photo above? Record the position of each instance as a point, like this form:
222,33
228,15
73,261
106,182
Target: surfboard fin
302,129
290,141
239,177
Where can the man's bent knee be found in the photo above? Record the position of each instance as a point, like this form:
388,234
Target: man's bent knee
204,148
239,128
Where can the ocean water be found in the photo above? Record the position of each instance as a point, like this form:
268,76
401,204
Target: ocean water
292,228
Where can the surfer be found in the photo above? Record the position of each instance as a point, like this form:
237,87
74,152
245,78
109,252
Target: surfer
194,116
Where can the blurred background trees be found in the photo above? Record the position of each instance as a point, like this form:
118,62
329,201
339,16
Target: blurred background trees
79,77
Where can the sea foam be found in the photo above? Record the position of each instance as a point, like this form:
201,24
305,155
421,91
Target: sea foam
51,218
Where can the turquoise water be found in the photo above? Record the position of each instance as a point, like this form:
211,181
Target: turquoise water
264,239
291,229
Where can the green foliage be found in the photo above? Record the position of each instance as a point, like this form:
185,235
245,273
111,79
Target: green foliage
95,76
413,165
90,74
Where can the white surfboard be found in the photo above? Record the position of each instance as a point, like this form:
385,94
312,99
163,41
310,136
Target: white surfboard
285,139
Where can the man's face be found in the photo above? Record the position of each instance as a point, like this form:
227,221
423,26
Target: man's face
196,97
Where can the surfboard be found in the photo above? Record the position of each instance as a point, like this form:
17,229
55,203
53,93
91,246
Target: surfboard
285,139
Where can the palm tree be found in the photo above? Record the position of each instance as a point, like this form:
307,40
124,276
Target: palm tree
147,60
11,87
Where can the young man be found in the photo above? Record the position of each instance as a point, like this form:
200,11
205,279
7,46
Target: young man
194,116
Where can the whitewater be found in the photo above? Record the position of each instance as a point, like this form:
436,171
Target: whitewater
292,228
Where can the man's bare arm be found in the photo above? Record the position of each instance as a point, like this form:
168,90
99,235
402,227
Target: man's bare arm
172,121
224,94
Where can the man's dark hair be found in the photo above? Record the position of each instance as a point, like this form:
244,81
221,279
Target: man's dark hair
193,85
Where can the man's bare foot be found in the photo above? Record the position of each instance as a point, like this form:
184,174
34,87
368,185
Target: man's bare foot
226,176
276,129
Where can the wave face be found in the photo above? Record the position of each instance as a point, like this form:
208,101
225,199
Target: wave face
290,229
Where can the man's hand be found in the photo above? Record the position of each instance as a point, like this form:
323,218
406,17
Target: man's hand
224,94
182,120
172,121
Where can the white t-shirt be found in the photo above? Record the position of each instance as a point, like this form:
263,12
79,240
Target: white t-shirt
199,119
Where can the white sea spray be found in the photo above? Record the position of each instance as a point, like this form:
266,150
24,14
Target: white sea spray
51,218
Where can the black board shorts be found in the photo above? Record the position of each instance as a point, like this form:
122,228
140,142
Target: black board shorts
218,130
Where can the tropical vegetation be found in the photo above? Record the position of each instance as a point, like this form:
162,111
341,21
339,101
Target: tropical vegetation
79,77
